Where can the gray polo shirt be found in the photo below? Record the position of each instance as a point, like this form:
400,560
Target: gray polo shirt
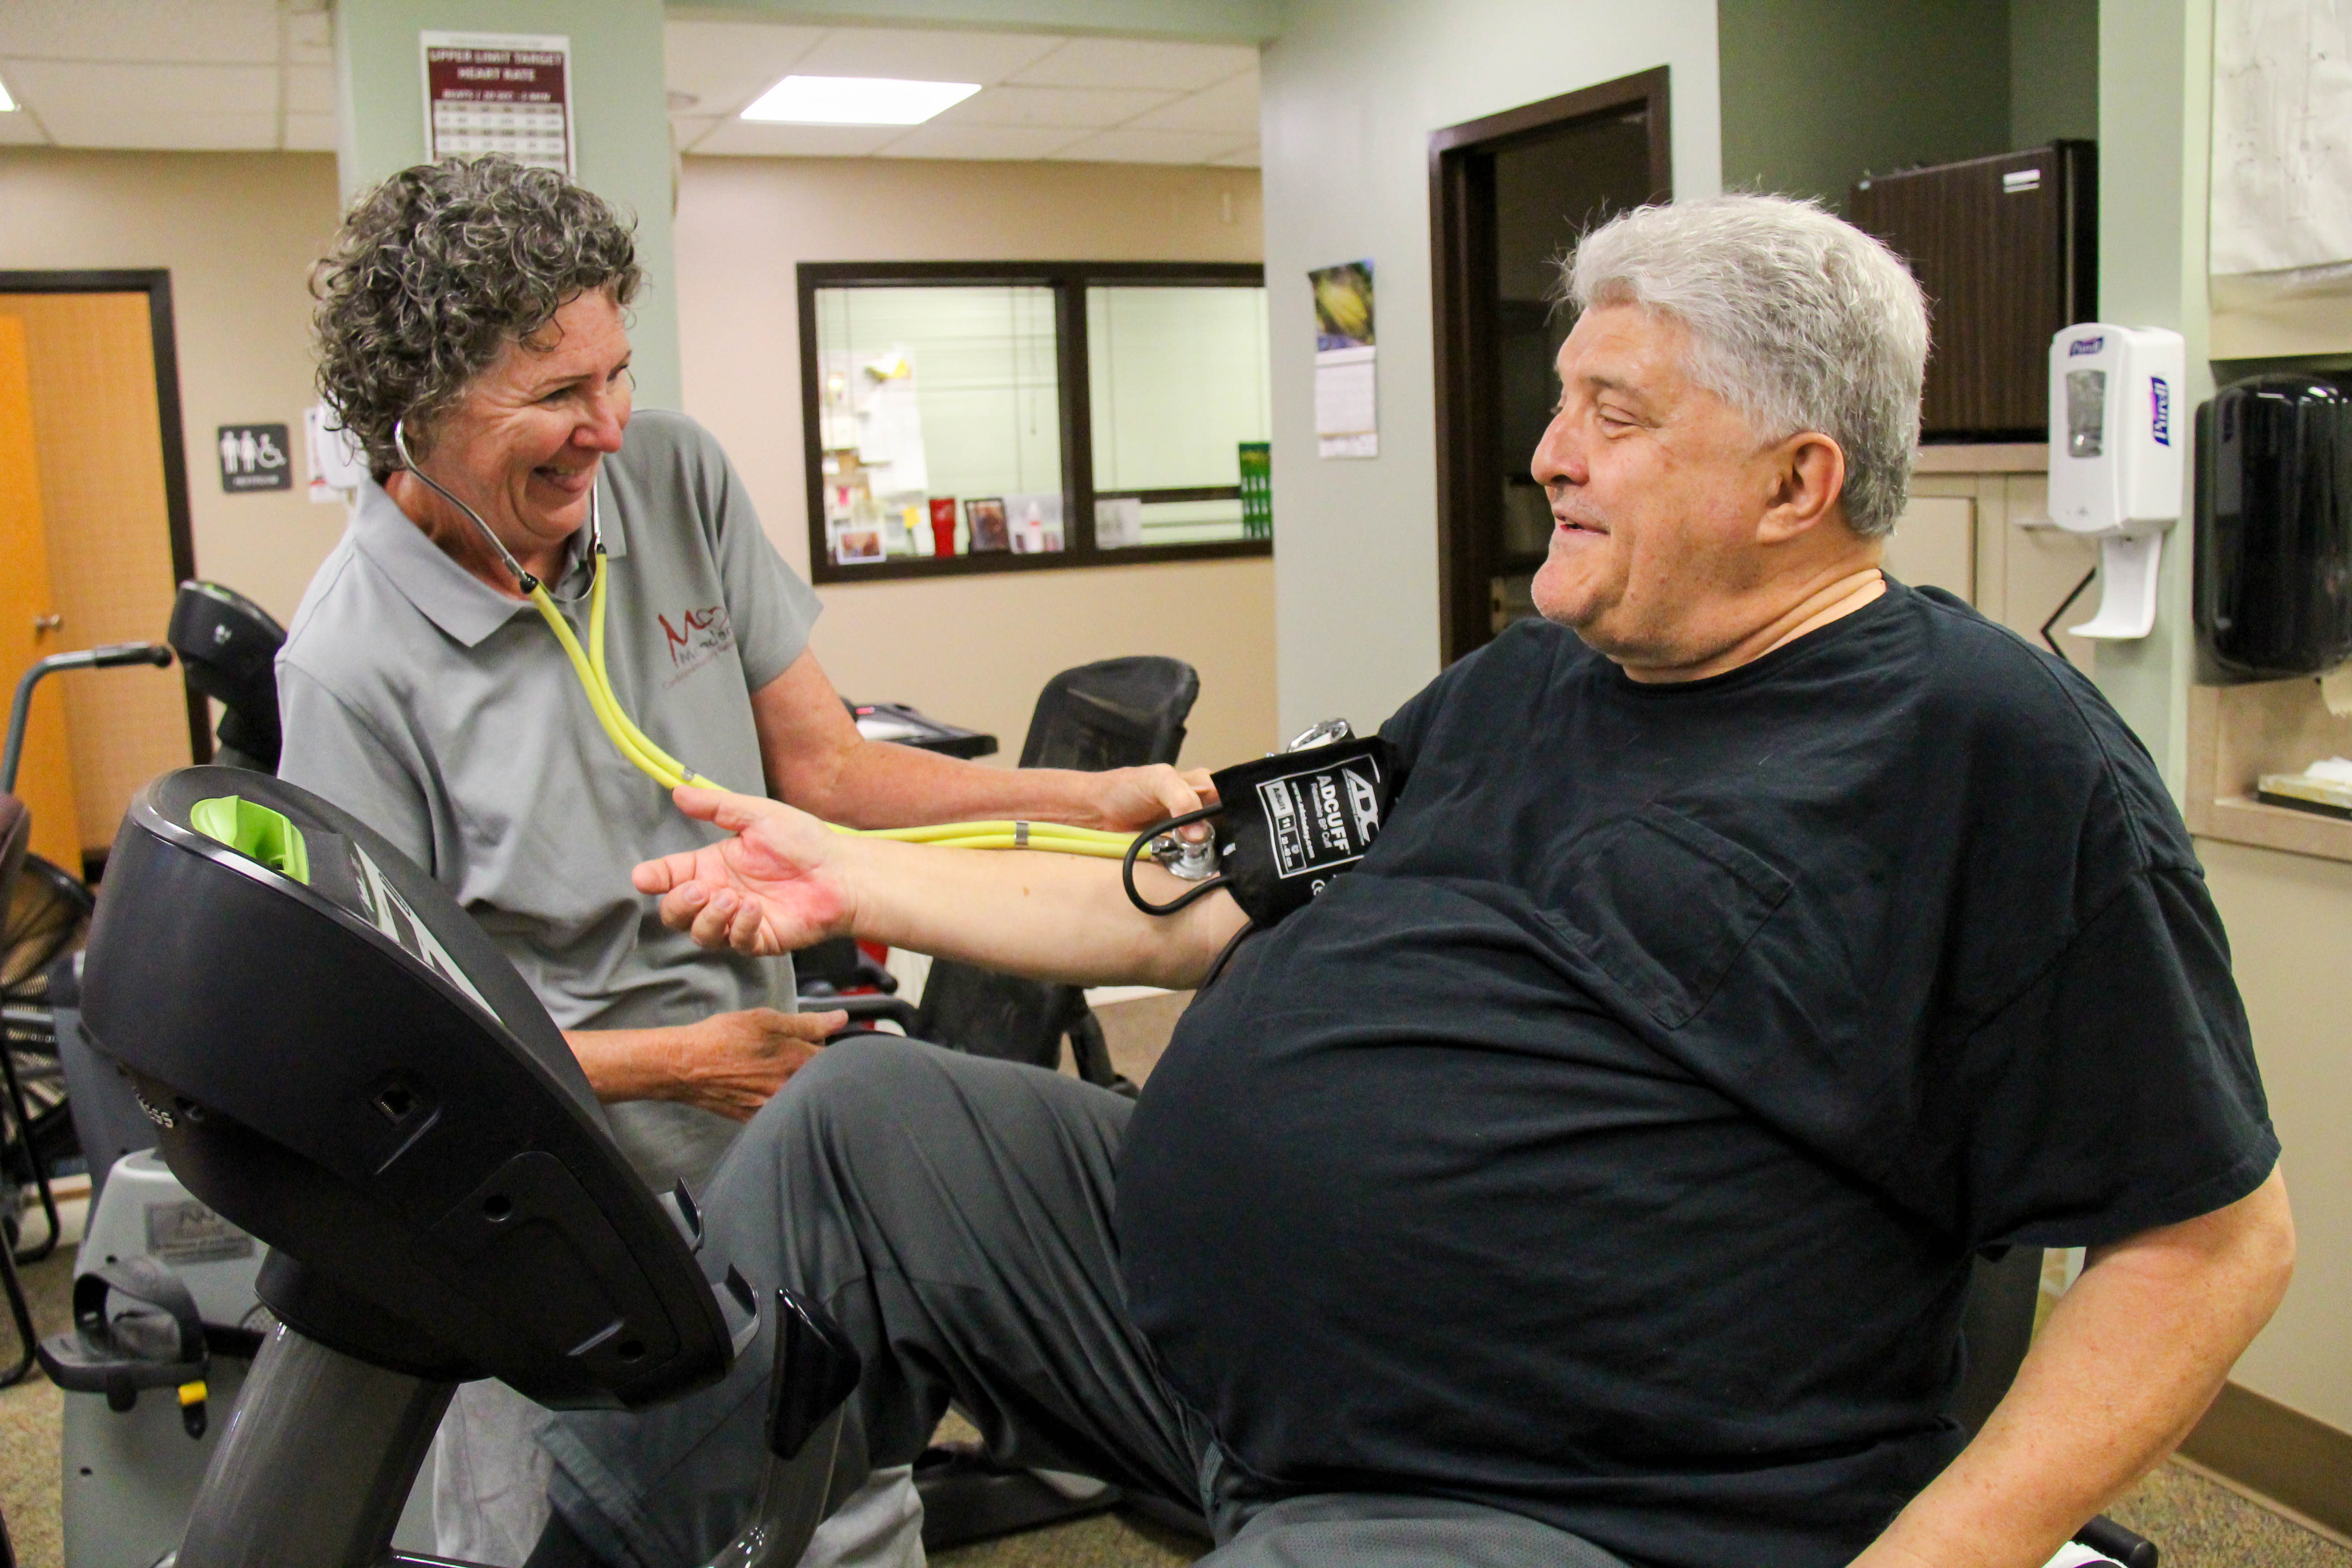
446,716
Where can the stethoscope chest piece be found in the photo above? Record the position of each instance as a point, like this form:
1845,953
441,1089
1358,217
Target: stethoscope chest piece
1285,825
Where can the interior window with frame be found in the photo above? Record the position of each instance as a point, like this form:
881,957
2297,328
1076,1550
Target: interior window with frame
988,418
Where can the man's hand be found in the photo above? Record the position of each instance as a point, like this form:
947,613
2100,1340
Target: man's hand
1132,799
771,888
734,1062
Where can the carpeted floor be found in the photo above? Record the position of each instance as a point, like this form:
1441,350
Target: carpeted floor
31,1417
2196,1522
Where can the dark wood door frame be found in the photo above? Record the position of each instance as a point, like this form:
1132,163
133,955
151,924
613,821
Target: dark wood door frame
1461,278
156,284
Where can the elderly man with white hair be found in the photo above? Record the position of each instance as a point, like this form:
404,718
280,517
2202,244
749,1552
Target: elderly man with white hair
1591,1176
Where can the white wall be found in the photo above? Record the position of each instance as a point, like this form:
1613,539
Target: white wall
974,650
1350,95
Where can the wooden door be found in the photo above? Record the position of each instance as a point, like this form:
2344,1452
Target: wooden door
1507,193
90,357
29,614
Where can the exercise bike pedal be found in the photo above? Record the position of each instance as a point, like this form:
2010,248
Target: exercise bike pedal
114,1357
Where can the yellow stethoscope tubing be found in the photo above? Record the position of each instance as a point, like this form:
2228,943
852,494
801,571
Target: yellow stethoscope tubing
626,738
634,744
638,749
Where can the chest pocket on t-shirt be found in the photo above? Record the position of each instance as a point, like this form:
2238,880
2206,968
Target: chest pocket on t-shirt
1664,905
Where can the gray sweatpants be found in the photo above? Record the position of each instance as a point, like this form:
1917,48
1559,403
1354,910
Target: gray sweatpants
954,1213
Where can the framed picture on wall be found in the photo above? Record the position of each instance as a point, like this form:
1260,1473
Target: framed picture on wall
984,521
857,546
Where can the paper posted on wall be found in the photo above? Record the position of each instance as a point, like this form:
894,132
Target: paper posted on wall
1347,385
508,93
2281,222
891,426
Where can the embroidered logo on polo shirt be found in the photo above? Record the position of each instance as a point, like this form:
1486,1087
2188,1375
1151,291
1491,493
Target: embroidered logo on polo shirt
696,638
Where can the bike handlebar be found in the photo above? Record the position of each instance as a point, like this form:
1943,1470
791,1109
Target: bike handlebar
110,655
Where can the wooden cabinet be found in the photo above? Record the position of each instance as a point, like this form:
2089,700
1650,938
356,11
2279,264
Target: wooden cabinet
2007,249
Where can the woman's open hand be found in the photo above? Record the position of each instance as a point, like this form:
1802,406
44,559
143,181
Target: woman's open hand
771,888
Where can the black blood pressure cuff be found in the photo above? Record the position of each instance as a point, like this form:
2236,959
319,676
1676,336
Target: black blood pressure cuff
1288,824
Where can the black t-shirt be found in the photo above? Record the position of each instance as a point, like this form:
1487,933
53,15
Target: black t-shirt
1611,1145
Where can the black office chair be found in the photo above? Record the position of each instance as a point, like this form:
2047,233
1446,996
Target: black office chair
1115,713
228,646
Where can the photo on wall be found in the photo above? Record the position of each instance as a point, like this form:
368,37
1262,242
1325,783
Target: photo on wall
984,521
858,546
1343,306
1035,522
1119,522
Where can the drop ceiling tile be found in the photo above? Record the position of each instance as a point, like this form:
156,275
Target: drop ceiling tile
1007,141
229,32
726,65
1090,108
310,39
20,130
924,55
1229,106
311,89
1138,62
311,133
1247,158
164,131
743,138
1123,146
55,90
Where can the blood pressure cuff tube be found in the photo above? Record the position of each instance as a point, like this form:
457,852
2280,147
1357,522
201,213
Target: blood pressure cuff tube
1293,821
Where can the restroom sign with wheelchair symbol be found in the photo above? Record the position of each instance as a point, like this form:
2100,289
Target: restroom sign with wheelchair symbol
256,457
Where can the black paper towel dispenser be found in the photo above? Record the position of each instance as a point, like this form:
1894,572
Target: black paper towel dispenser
2275,527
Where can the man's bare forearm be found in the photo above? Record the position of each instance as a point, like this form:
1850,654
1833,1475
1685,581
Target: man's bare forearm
2128,1361
1062,918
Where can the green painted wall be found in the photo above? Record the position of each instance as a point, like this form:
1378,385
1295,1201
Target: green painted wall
2156,72
620,127
2053,70
1817,92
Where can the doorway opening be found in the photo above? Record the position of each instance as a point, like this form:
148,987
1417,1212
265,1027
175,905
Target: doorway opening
1509,195
95,516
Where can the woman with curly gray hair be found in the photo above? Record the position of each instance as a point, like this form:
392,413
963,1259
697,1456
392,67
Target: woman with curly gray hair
472,327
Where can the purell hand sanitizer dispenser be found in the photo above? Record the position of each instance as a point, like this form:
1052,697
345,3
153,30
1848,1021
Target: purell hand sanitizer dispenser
2115,459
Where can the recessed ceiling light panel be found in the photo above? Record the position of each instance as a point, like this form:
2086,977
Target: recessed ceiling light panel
7,104
857,101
